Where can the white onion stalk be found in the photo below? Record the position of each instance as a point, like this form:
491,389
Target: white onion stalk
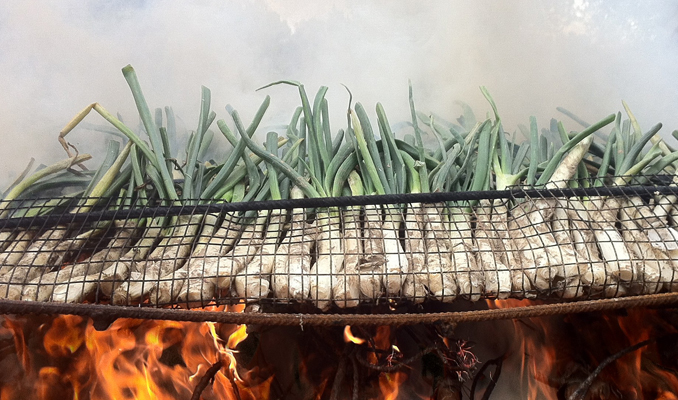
657,269
6,238
111,277
171,285
101,274
560,250
535,241
292,269
504,245
538,245
203,266
15,251
32,264
507,164
168,256
662,237
330,258
396,263
106,281
233,262
671,244
441,274
176,282
495,247
126,263
673,217
292,264
469,275
491,254
415,237
51,258
72,276
69,246
502,238
373,267
594,275
117,272
347,289
415,248
610,242
253,282
647,271
570,268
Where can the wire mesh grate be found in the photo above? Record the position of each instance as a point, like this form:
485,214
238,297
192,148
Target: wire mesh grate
568,244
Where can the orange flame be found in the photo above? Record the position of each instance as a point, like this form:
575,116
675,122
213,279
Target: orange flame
389,383
559,352
132,359
348,336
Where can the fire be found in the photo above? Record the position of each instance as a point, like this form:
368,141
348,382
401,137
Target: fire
348,336
131,359
560,353
390,383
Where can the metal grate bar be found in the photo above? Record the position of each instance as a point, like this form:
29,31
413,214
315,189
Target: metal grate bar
333,253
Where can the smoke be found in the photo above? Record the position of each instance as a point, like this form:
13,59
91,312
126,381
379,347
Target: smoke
58,56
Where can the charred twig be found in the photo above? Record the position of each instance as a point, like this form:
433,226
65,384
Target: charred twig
465,359
497,362
206,379
403,363
356,376
341,371
584,386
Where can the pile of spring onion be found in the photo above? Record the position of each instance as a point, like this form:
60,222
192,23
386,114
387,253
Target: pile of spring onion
342,256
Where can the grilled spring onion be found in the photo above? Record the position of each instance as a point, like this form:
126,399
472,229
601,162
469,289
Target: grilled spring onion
535,238
385,180
491,251
202,270
569,248
254,283
415,243
347,289
610,241
45,251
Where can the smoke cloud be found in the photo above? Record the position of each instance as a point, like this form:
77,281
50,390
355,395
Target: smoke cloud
58,56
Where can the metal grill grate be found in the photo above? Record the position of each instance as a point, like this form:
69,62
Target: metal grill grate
569,244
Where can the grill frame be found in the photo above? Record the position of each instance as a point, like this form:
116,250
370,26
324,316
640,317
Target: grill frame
384,316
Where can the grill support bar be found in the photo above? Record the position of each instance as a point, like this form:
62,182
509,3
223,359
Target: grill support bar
107,313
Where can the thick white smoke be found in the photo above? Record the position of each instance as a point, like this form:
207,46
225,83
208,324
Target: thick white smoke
533,55
58,56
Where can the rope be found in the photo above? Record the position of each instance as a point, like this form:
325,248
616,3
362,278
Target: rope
108,313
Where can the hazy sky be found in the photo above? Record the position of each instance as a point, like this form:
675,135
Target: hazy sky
58,56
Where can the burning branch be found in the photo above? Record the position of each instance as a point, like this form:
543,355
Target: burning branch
497,362
584,386
206,379
348,354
